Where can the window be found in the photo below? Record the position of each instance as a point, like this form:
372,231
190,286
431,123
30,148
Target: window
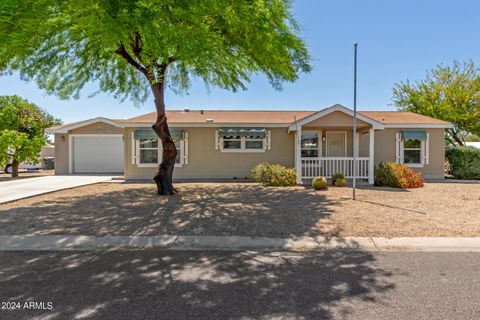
254,141
413,148
148,151
232,142
412,152
243,139
147,148
309,145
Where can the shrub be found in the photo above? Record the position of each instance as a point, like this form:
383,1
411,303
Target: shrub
337,176
341,182
464,162
319,183
270,174
391,174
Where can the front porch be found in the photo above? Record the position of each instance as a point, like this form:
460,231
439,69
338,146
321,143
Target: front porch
327,166
324,145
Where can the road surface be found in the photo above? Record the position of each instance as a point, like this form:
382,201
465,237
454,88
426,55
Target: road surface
155,284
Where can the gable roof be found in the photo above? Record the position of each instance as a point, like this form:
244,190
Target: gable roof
335,108
64,128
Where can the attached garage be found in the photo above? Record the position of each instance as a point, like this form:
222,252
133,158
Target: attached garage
96,153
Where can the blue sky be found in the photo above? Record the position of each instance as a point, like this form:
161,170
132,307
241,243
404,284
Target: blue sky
398,40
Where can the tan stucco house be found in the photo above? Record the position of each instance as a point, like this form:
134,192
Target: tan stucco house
216,144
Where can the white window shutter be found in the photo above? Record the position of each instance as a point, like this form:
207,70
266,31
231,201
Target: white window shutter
269,140
398,148
217,141
134,150
185,148
427,149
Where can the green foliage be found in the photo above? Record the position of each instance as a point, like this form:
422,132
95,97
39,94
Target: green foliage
63,45
341,182
320,183
447,93
22,130
464,162
396,175
274,175
336,176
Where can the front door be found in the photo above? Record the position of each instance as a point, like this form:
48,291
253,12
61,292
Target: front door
336,143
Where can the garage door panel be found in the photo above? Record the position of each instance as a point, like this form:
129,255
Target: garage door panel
98,154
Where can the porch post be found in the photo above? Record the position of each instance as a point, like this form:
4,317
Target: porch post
371,176
298,154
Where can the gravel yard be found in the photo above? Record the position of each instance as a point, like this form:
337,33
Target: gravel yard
248,209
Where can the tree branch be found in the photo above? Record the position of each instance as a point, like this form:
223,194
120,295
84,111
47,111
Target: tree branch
124,54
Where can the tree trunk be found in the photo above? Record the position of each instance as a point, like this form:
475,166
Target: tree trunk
164,175
455,137
15,164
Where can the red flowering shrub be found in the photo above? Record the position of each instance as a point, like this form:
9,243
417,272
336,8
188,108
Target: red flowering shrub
396,175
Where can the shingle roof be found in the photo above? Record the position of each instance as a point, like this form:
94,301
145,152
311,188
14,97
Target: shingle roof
400,117
275,117
226,116
260,117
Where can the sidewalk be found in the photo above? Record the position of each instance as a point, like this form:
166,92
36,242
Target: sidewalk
169,242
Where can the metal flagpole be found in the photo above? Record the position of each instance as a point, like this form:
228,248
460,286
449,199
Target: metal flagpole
354,117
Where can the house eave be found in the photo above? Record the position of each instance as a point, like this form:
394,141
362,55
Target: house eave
205,125
67,128
419,126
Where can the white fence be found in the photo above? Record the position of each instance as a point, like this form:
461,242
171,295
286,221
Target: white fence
314,167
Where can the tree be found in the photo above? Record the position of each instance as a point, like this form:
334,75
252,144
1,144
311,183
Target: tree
22,131
136,48
447,93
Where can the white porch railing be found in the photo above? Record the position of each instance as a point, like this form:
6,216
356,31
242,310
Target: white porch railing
327,166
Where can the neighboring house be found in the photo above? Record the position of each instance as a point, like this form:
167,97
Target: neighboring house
228,144
473,144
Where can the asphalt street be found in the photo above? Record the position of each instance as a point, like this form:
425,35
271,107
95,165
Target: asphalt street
155,284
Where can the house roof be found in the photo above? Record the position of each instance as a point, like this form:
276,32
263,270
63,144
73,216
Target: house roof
225,116
264,117
400,117
276,117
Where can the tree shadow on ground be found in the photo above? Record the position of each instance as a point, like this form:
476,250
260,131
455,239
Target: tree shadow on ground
199,209
191,285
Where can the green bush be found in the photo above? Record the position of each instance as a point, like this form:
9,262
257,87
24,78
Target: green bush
464,162
270,174
341,182
337,176
319,183
396,175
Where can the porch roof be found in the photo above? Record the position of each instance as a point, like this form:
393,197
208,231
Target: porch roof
336,108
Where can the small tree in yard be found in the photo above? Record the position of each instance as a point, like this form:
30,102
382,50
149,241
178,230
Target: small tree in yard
22,131
448,93
134,48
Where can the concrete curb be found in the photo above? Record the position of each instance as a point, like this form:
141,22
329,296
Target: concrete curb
169,242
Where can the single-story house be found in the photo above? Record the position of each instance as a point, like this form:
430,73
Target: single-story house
227,144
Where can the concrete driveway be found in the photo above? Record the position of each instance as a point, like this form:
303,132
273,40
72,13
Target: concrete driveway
19,189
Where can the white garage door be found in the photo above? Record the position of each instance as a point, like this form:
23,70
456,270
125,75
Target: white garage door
97,154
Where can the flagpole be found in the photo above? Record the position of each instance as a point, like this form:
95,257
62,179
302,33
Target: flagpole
354,117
